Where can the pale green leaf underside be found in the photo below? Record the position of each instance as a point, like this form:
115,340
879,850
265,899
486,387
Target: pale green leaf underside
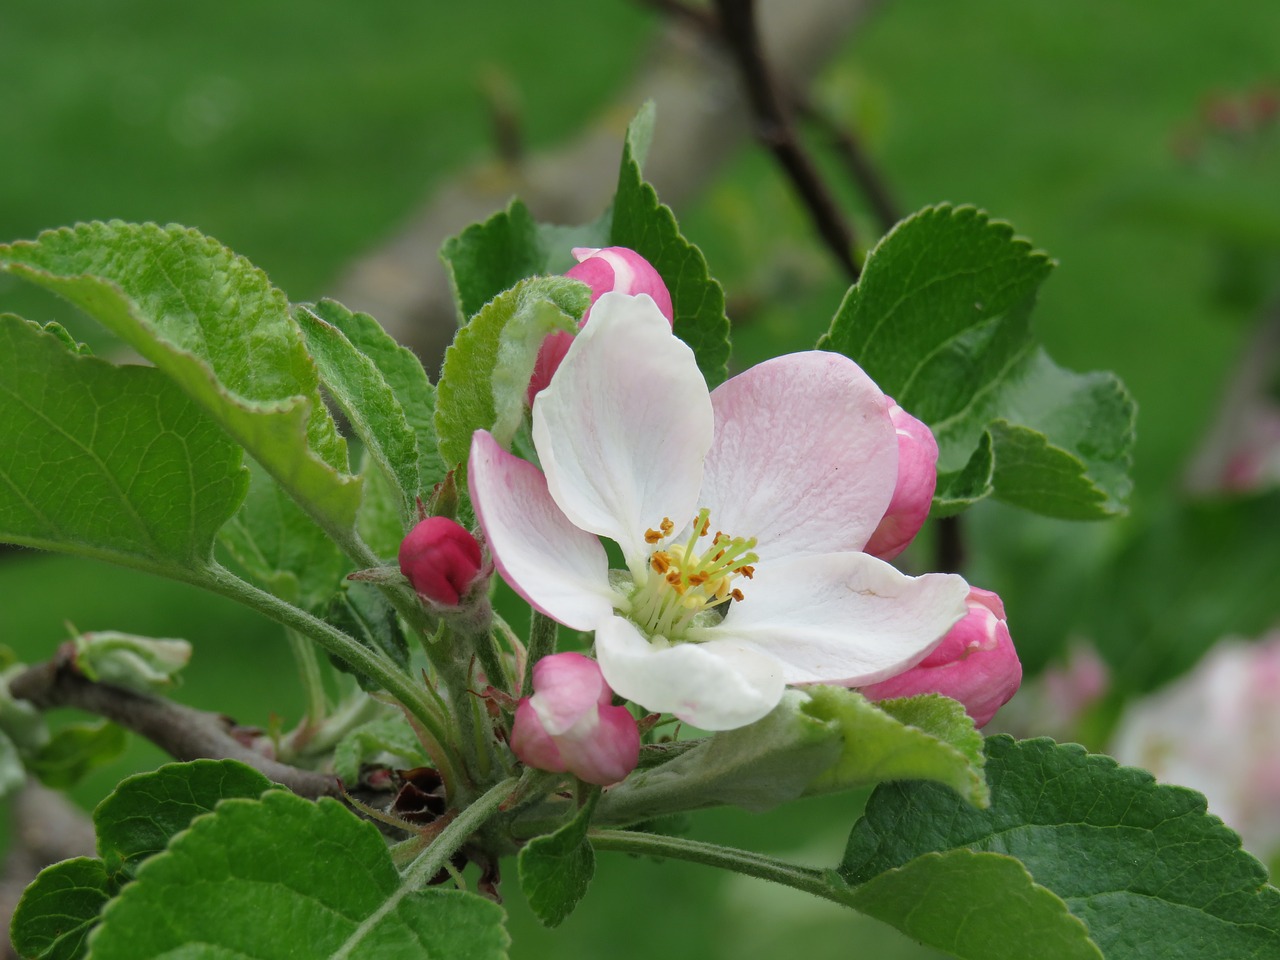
110,462
1151,875
216,326
940,321
226,883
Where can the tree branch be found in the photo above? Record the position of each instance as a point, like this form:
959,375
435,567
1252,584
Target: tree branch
775,131
184,733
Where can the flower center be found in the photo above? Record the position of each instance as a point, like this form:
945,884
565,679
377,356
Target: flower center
690,578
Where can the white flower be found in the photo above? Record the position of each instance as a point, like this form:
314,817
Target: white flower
795,461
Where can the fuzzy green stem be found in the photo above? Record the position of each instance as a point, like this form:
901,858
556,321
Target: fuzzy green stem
745,862
371,662
542,641
304,655
458,832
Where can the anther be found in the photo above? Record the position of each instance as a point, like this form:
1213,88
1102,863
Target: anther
737,594
652,536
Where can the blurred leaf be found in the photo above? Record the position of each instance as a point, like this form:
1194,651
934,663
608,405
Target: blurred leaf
74,750
404,374
235,885
556,869
53,919
1147,870
212,322
815,741
12,772
647,226
488,366
110,462
357,385
390,733
146,810
976,906
281,548
940,321
928,737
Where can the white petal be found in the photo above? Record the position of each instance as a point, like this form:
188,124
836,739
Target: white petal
561,570
805,457
624,426
716,686
842,618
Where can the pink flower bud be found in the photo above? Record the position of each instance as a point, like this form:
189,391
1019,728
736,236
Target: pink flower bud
603,270
441,560
913,495
975,663
569,725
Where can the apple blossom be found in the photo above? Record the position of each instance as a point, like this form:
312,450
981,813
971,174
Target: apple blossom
441,560
1214,730
570,725
975,663
913,493
602,269
741,516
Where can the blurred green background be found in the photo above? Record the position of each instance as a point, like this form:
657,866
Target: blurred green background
301,134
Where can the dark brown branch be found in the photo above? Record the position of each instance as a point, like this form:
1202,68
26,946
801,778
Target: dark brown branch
775,131
848,147
184,733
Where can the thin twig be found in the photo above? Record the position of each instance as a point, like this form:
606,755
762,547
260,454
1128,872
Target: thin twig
184,733
775,131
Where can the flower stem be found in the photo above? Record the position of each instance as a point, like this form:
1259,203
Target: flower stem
372,663
745,862
304,655
542,641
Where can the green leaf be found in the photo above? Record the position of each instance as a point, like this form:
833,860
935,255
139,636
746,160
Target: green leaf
1146,869
404,374
647,226
488,366
815,741
359,388
74,750
939,320
146,810
281,548
390,734
379,521
961,489
927,737
556,869
110,462
230,883
976,906
59,908
490,257
212,322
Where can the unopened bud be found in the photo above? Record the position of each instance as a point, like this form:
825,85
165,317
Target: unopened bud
570,726
913,494
441,560
606,269
975,663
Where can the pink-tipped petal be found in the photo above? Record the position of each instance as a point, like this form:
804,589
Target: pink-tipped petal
624,426
715,686
561,570
530,741
622,270
842,618
567,685
976,663
804,458
913,495
609,753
